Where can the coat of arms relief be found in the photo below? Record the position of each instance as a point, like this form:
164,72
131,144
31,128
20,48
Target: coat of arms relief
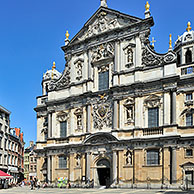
102,112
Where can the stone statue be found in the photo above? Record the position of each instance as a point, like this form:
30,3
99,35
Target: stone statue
104,3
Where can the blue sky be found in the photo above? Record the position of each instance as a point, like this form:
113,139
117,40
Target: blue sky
32,32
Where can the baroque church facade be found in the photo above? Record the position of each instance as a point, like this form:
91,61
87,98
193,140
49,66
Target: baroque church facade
120,114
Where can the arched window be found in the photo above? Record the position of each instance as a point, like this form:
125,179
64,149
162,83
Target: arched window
188,56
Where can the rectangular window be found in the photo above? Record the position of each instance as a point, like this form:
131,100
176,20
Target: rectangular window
103,80
189,97
62,162
63,129
5,159
153,117
5,144
189,119
152,157
187,70
189,152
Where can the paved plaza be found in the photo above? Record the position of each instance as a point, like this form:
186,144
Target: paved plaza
26,190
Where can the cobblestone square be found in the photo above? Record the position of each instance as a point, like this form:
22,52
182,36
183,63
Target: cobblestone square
26,190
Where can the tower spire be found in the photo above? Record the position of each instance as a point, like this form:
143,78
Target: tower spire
103,3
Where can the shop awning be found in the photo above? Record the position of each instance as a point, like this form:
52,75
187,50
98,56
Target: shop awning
4,175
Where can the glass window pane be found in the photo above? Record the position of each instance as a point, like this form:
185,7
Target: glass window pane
63,129
153,117
152,157
103,80
189,119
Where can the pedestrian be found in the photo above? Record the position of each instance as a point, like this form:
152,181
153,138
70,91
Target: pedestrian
32,184
38,184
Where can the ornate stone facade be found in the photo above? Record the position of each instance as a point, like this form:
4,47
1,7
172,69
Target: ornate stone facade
125,111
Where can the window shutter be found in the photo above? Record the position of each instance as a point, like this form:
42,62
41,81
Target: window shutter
153,117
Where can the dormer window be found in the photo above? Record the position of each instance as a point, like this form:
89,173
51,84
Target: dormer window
188,56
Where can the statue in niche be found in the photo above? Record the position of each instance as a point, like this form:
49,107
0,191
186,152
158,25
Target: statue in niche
128,159
78,160
130,56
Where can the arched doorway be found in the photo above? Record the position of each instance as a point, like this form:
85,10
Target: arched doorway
103,170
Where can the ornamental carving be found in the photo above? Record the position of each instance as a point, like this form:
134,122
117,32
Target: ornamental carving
152,101
102,24
102,113
150,58
78,66
103,51
63,82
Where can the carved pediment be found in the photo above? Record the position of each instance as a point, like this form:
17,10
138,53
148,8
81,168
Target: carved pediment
100,138
188,110
62,116
102,52
152,101
151,58
104,20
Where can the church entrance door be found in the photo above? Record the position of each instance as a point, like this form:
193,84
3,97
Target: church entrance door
103,170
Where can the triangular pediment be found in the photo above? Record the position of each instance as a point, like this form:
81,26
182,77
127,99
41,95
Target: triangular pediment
104,20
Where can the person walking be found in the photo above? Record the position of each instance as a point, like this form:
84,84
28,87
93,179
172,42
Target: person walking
32,184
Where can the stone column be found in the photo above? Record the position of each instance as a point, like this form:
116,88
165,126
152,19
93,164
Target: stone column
49,125
114,167
166,111
89,118
71,127
115,122
87,167
174,166
173,107
89,65
71,167
117,56
49,169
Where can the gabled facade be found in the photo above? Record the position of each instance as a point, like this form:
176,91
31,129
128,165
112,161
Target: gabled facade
120,115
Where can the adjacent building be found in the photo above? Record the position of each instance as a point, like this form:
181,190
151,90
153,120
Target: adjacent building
15,149
11,147
4,131
120,114
30,162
